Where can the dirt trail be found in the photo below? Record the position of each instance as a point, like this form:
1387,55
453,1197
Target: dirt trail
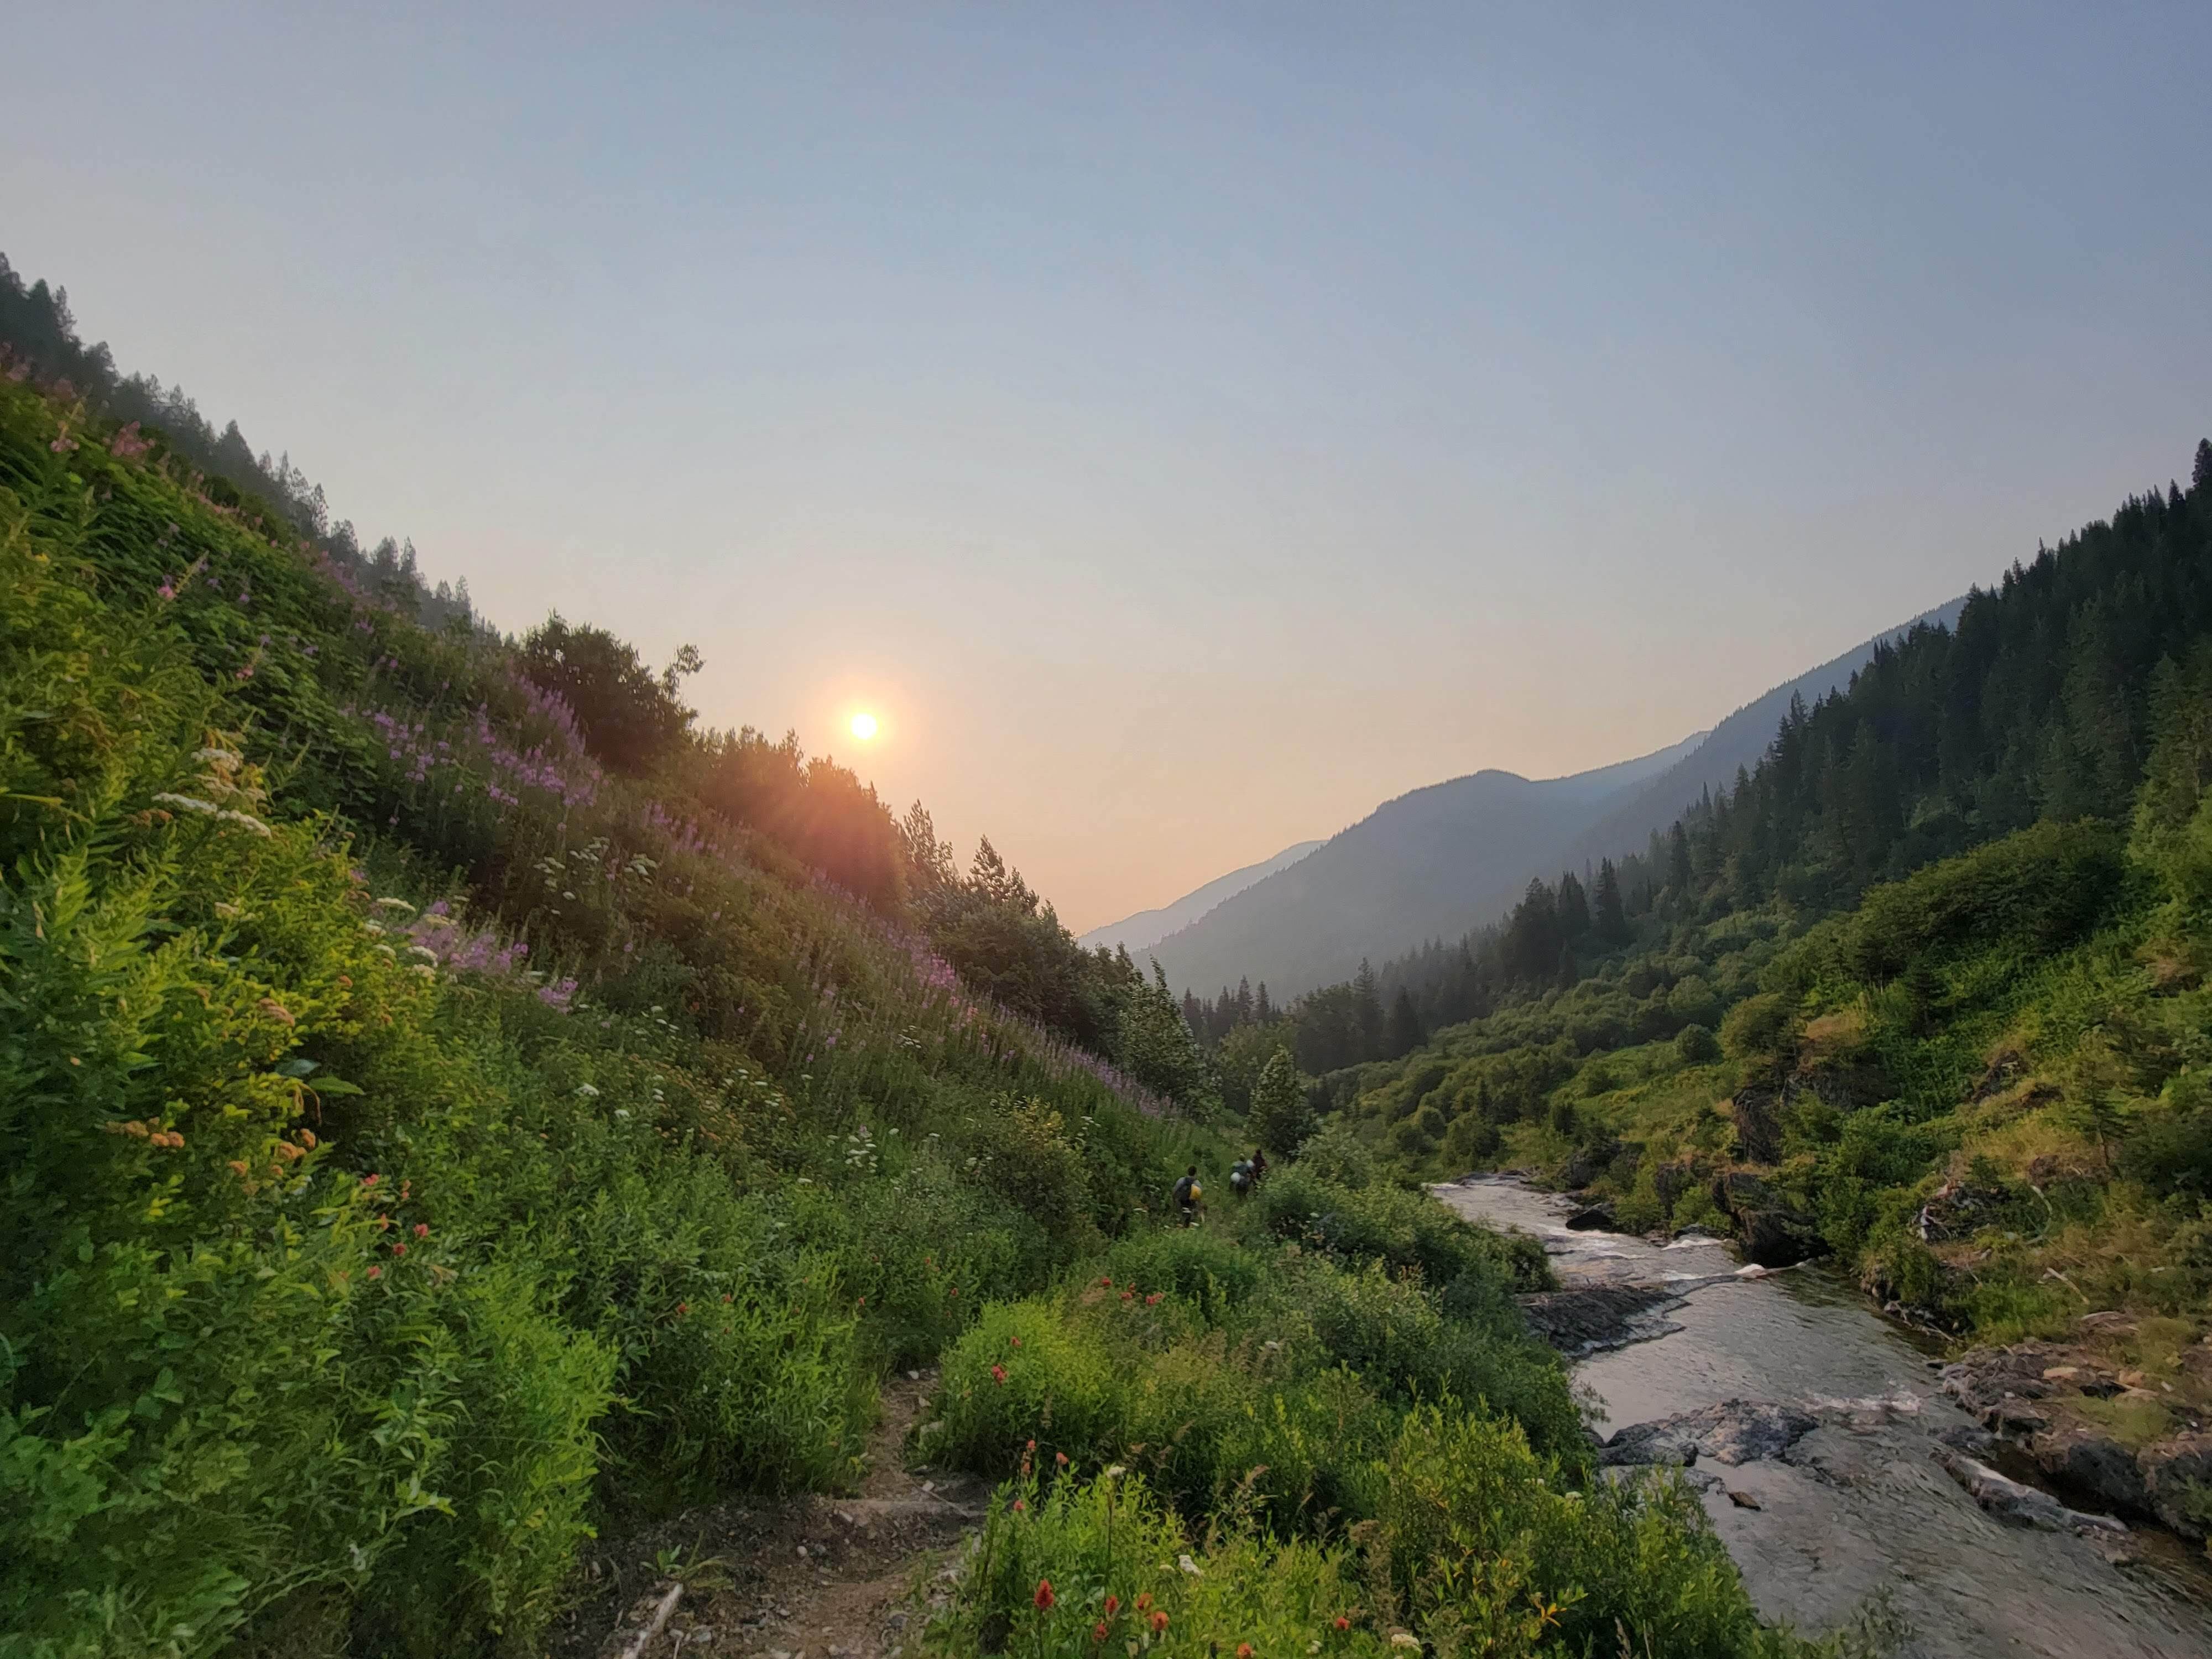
812,1577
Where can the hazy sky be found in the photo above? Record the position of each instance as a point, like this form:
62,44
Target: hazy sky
1185,427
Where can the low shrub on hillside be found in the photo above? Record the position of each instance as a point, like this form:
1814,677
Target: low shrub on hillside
1473,1547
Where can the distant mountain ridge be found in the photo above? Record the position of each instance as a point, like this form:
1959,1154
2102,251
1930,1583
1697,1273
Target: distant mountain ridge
1736,742
1147,929
1439,861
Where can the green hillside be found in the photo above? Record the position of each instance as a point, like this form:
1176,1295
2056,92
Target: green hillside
1925,990
450,1104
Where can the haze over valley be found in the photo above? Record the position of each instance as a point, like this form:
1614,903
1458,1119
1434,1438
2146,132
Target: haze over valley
1381,834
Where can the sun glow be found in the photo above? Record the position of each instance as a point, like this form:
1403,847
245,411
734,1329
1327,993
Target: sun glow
864,726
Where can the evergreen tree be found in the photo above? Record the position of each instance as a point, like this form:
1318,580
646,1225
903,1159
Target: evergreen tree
1281,1119
1367,1010
1608,917
1678,862
1403,1031
1573,905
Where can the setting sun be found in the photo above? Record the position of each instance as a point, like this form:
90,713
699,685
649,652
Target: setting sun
864,726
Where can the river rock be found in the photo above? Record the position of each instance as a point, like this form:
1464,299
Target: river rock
1758,1114
1988,1378
2178,1475
1978,1443
1588,1320
1664,1448
2085,1458
2009,1500
1734,1432
1777,1230
1587,1164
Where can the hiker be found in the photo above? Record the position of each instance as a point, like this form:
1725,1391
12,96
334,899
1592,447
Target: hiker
1259,1165
1187,1193
1241,1179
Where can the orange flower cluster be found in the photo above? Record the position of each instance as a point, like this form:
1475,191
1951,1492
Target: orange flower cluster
138,1131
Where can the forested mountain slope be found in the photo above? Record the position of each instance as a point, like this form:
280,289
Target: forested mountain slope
1927,989
1733,745
1438,862
1439,859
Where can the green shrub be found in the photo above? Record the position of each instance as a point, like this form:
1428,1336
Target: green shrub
1111,1541
737,1359
1695,1045
1485,1553
1213,1273
1397,1336
1472,1545
1757,1027
1024,1371
1387,1223
2042,888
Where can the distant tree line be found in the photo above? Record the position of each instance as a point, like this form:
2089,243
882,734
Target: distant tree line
38,337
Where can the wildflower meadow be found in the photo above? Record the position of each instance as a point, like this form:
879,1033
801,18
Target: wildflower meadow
435,1132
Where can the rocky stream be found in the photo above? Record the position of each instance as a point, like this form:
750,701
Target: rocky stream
1852,1473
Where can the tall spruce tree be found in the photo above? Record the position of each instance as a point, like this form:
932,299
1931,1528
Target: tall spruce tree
1403,1031
1573,905
1608,917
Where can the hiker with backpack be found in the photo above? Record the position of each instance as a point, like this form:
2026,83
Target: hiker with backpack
1187,1195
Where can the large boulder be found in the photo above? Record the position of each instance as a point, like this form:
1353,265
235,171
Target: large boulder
1757,1113
1587,1164
1734,1432
2178,1475
2083,1459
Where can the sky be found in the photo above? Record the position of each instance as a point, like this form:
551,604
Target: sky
1183,426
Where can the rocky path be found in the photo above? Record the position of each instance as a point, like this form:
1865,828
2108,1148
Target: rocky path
812,1577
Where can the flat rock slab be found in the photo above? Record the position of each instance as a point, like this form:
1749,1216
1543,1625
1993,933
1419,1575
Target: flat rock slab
1735,1431
1586,1320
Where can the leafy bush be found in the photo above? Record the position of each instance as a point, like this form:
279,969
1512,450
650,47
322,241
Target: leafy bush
1470,1545
1756,1027
1694,1045
1387,1223
1484,1553
629,716
1060,1562
2043,888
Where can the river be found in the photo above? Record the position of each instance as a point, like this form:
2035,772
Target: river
1858,1508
